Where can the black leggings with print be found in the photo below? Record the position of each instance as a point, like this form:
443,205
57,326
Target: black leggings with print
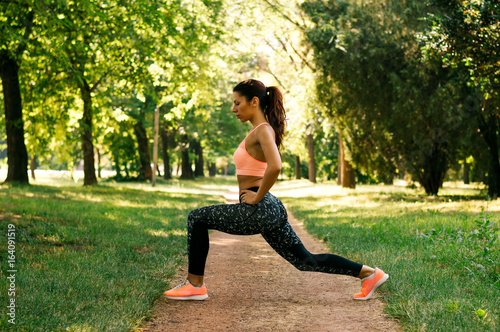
268,218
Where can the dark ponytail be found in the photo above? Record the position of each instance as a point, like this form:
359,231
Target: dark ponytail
271,102
275,113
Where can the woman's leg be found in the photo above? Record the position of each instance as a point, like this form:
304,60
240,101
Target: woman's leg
230,218
303,260
288,245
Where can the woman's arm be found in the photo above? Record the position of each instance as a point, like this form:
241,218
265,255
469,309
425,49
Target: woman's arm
266,138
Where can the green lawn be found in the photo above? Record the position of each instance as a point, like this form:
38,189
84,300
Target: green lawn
442,253
92,259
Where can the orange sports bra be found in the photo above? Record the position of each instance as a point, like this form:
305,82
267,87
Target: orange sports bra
245,163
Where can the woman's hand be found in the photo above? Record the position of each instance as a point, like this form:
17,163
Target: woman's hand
249,197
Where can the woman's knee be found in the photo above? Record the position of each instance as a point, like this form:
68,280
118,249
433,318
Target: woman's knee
192,218
302,267
308,263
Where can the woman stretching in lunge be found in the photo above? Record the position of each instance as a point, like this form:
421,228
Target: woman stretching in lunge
258,164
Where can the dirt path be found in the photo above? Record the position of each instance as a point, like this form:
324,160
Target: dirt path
251,288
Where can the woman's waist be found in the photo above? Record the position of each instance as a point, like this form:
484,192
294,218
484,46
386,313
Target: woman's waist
254,189
245,182
267,199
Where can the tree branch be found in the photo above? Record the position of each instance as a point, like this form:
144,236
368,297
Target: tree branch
302,58
276,9
27,32
98,83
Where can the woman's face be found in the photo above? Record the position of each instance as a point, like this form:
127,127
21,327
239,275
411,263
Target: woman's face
243,109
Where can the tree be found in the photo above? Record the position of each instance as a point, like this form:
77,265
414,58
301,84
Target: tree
389,103
466,35
87,54
312,159
347,177
17,26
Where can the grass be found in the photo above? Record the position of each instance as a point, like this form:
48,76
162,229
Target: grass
92,259
442,253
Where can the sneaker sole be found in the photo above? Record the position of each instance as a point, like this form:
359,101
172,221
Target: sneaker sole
377,285
186,298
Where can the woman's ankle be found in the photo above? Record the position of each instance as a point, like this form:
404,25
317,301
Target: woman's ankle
195,280
366,271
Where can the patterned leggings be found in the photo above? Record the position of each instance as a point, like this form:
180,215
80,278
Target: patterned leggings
268,218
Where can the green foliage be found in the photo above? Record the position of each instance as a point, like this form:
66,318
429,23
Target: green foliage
466,36
182,54
125,50
13,18
399,108
396,111
468,33
122,147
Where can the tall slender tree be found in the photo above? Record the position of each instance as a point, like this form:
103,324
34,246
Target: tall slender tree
17,26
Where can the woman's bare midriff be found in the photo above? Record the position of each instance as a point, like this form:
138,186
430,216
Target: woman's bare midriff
246,181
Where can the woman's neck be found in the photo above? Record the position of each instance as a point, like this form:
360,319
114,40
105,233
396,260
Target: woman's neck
258,119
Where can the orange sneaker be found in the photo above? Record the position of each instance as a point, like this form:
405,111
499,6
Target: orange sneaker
186,291
370,284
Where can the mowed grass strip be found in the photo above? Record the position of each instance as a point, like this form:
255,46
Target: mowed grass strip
92,259
442,253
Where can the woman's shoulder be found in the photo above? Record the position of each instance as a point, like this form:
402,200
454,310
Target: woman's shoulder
265,130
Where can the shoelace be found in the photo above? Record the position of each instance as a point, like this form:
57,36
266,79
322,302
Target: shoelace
369,277
181,285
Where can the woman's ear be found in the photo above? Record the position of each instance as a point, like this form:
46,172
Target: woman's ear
255,101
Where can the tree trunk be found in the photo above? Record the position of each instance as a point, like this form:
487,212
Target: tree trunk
89,177
348,177
127,174
212,169
187,171
117,168
155,146
298,174
466,173
33,166
17,154
167,175
341,157
430,168
489,130
99,168
143,144
199,163
312,160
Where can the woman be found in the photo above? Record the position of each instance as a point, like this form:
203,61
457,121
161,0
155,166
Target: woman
258,164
